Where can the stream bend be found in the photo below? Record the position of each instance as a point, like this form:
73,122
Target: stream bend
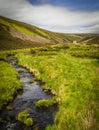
31,93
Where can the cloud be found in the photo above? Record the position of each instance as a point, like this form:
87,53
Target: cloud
50,17
11,8
91,29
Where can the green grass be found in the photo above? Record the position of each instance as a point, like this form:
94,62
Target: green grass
91,51
5,22
75,80
9,83
24,118
42,33
23,30
17,27
45,103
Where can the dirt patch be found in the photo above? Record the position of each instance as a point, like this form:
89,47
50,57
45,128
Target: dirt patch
37,38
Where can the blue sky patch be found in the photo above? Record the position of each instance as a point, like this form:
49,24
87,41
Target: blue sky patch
68,16
81,5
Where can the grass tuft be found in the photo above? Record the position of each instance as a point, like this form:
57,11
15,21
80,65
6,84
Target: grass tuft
24,118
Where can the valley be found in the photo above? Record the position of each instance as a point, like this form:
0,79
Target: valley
63,75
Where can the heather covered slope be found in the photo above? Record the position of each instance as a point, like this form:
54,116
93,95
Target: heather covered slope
16,35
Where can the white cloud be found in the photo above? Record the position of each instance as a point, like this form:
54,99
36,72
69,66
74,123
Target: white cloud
91,29
50,17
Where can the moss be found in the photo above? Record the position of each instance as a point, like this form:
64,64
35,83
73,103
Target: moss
45,103
29,122
24,118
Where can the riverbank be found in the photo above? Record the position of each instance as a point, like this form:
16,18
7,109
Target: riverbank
74,79
25,102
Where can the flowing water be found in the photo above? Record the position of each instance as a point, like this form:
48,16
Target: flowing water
31,93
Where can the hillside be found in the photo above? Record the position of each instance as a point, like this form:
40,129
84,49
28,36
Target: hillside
16,35
67,73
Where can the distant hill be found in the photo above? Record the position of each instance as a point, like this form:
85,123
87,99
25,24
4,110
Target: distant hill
16,35
90,39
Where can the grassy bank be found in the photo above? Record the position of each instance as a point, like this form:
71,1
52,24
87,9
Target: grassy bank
9,82
75,82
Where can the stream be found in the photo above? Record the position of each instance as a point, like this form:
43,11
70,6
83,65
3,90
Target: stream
26,99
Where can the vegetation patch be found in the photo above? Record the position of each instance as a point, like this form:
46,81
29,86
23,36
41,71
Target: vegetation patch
45,103
17,27
23,30
9,83
91,51
24,118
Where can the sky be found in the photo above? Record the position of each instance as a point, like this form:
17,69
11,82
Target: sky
66,16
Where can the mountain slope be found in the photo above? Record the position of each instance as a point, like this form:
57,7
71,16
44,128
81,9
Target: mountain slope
92,39
15,35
